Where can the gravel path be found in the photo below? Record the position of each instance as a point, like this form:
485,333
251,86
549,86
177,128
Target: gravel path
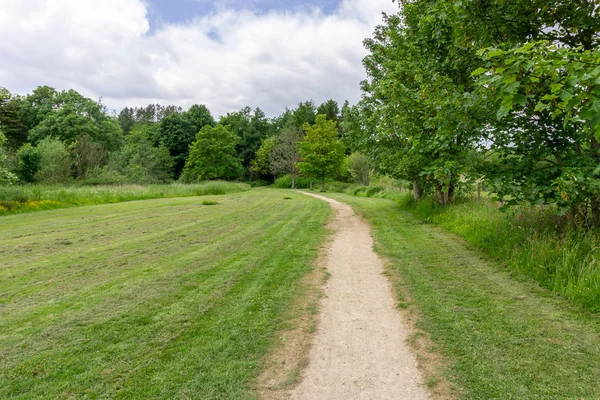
359,350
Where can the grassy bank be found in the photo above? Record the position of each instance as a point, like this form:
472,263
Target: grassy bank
532,241
26,198
502,337
163,298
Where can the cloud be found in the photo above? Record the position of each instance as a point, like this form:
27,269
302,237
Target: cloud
226,60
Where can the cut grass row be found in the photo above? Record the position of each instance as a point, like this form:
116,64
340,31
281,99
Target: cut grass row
27,198
156,299
502,336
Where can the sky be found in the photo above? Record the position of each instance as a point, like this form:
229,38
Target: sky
226,54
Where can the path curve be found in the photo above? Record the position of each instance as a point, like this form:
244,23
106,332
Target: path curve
359,350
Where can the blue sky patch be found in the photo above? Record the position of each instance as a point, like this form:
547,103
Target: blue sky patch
179,11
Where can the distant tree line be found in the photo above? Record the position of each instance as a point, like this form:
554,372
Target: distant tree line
49,136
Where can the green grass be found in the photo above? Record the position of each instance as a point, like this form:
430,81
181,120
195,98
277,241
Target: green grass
151,299
27,198
533,241
502,335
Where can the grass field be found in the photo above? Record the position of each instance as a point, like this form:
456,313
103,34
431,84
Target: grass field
502,335
163,298
28,198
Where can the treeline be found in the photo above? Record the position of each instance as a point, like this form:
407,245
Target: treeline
49,136
505,91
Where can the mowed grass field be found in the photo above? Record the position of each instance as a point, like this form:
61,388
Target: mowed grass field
163,298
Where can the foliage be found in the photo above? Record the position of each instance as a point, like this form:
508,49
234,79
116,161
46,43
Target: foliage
360,168
330,109
88,156
285,182
321,151
151,114
286,153
262,161
213,155
73,116
177,134
6,177
55,162
554,91
139,161
28,163
251,127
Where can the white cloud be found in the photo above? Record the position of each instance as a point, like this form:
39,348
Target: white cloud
226,60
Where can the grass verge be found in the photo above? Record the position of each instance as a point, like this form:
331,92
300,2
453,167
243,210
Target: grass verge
502,336
27,198
156,299
533,241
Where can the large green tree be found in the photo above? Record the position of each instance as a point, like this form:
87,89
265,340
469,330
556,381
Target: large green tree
251,127
73,116
213,155
321,151
286,153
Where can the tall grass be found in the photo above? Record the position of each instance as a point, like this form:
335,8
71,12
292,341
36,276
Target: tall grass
16,199
532,241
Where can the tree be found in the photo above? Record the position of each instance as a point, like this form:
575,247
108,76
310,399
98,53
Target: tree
28,163
139,161
262,161
251,127
177,134
199,116
321,151
6,177
213,155
126,119
305,113
73,116
87,156
360,168
55,162
330,109
11,119
286,153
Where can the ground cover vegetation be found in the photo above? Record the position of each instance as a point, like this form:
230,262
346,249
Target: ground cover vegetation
500,336
25,198
166,298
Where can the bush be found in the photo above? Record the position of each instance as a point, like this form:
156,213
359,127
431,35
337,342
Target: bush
285,182
28,163
55,162
104,176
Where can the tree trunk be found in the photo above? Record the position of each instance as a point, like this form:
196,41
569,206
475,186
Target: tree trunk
440,195
311,188
595,201
293,181
323,183
417,190
478,190
595,218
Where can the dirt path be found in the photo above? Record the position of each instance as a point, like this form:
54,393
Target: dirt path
359,350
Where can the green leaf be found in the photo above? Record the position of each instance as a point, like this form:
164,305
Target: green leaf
478,71
555,87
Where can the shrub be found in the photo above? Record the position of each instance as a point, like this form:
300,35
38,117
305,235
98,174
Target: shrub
28,163
285,182
54,162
